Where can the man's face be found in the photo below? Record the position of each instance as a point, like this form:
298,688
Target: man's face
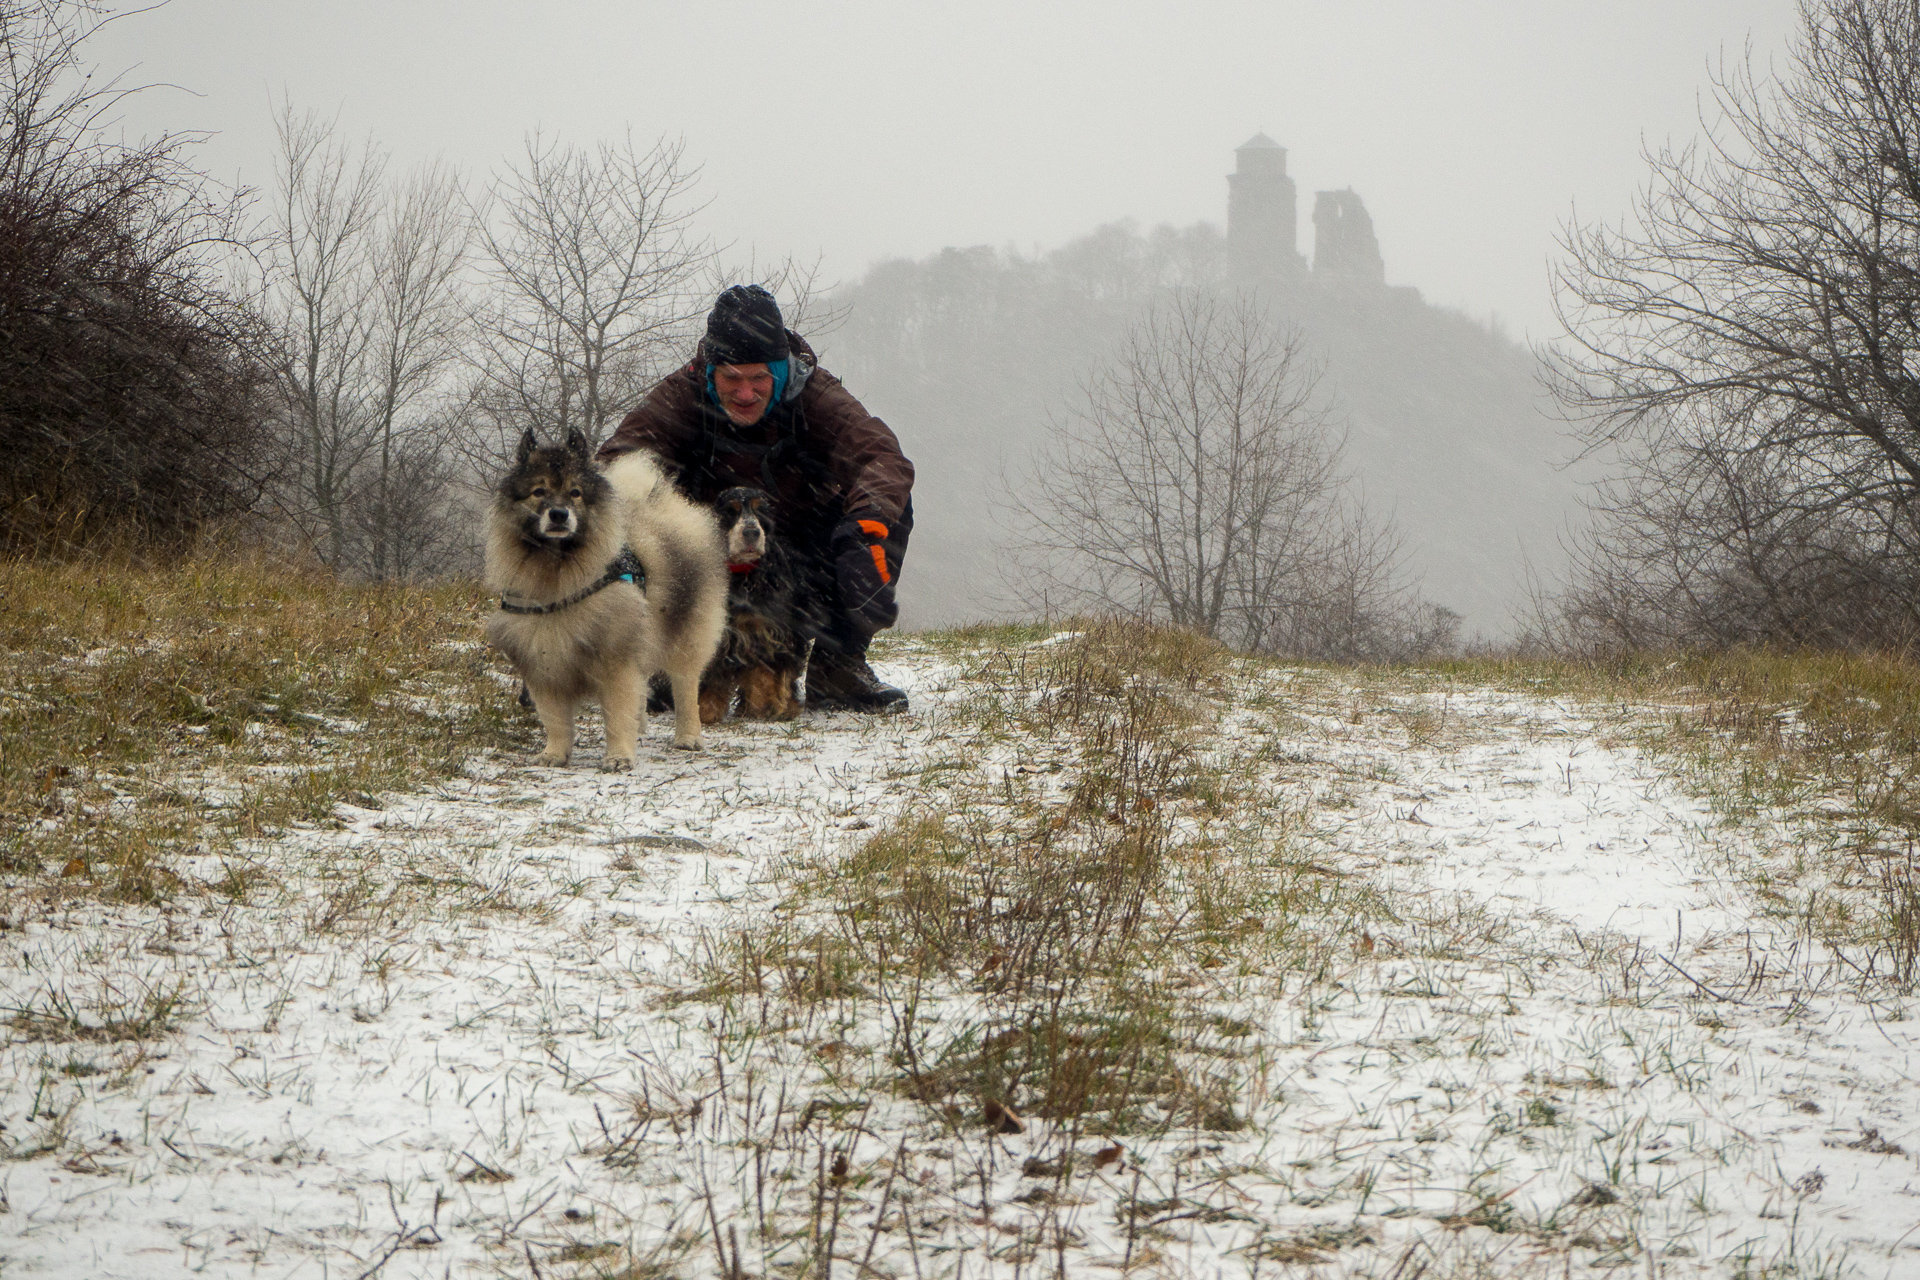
745,391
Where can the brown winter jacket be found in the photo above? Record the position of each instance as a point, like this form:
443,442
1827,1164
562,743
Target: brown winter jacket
818,451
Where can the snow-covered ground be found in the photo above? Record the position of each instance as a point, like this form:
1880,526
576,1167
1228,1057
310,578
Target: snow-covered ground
1622,1044
458,1036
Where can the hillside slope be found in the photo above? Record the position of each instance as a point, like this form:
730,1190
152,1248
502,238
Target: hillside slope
974,355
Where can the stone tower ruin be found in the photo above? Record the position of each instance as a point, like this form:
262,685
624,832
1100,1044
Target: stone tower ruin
1344,248
1260,215
1261,228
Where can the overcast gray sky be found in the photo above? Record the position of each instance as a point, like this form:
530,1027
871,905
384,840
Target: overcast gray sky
866,130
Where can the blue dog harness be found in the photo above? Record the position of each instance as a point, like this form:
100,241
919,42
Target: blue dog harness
626,567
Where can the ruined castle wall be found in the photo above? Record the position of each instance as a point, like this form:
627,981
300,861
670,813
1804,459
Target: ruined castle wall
1345,250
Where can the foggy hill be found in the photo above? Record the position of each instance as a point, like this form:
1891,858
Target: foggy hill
971,355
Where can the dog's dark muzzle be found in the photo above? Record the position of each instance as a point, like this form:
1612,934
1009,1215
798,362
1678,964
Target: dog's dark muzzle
557,520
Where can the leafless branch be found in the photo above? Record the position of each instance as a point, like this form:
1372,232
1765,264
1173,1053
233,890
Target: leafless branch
594,267
1750,341
1199,484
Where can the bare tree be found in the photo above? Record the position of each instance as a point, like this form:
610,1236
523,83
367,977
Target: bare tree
594,266
320,299
808,305
366,292
1199,485
419,316
1751,342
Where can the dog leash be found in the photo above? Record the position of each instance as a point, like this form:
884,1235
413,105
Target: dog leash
626,567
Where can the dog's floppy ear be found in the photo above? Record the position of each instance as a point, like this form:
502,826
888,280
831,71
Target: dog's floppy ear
577,446
528,443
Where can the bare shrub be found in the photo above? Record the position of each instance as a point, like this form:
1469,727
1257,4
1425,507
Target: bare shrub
1707,543
128,402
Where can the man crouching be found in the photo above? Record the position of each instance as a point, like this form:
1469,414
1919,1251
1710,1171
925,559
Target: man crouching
752,409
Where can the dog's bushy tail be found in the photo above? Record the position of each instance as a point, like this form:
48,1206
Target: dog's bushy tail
638,478
680,543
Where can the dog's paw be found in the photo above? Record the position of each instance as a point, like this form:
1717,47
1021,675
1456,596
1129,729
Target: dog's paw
550,760
616,764
688,744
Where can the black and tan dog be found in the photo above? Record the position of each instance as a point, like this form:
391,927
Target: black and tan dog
765,647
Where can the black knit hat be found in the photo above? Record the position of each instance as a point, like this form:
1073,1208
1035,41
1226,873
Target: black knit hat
745,328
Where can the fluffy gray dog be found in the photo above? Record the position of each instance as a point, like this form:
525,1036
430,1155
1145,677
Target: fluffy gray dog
605,579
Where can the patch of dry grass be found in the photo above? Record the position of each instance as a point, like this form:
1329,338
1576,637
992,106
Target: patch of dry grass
119,1010
1081,898
151,712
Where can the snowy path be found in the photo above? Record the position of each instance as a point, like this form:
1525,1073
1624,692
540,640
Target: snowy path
418,1049
1619,1044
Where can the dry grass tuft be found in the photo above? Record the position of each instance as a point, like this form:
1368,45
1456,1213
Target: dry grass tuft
155,713
1066,918
109,1017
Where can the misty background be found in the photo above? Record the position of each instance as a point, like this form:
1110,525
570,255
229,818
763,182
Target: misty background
987,200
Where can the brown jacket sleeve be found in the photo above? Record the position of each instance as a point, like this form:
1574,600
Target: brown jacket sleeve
666,423
863,455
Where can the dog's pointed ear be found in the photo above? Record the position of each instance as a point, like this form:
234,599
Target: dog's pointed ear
528,443
577,446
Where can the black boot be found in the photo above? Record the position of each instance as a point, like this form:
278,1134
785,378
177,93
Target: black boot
844,682
659,696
